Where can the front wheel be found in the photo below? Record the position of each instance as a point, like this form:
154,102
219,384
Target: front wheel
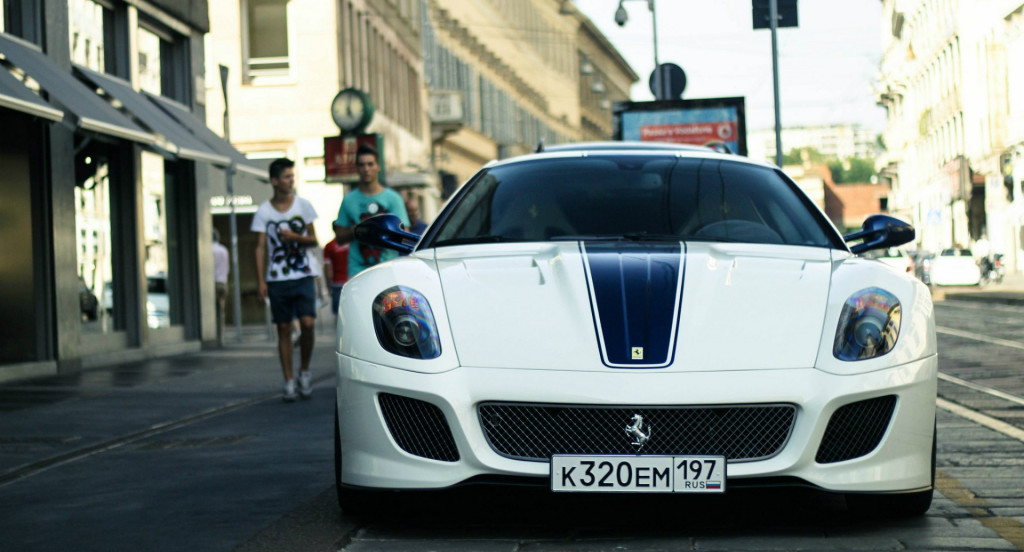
894,505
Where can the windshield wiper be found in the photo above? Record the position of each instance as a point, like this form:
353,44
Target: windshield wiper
487,238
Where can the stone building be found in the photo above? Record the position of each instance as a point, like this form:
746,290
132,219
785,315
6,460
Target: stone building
953,128
107,246
456,83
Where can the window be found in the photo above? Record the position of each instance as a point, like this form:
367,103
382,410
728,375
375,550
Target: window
150,75
157,261
265,38
21,18
88,23
163,63
94,219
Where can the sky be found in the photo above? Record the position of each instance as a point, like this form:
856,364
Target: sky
827,65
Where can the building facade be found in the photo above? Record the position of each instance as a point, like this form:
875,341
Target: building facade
953,125
527,72
107,249
455,83
286,60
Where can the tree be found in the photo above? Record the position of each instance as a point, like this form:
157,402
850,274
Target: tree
797,156
853,169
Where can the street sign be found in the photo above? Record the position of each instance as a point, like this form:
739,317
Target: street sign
785,8
672,83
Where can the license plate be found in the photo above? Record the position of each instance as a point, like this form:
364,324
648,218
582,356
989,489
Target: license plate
638,474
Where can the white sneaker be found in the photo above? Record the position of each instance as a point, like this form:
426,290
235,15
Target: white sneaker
289,391
305,384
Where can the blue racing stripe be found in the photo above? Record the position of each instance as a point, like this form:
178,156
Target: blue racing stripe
636,300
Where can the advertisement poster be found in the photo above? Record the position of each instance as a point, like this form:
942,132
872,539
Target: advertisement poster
340,156
714,122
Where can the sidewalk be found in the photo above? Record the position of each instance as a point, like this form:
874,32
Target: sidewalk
1008,292
46,420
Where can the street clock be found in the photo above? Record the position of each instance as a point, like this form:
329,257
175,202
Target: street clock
352,110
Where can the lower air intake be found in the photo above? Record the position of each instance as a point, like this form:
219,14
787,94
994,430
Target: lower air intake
856,429
418,427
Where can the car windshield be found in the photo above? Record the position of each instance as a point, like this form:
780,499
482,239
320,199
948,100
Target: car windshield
632,197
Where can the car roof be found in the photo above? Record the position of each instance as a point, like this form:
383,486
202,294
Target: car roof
621,145
581,149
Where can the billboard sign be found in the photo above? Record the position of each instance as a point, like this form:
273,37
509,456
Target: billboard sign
340,156
713,122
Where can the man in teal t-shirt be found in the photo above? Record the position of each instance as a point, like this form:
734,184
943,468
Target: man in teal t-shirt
369,199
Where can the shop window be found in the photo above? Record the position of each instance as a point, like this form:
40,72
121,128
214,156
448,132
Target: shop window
93,217
157,262
265,38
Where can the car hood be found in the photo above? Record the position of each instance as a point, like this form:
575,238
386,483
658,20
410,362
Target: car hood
620,306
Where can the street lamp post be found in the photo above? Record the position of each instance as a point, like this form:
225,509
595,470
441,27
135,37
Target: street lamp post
236,289
621,17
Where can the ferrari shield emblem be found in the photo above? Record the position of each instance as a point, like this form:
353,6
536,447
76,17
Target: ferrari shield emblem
638,353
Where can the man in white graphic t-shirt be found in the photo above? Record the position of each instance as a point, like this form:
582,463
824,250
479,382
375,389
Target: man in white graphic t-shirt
287,268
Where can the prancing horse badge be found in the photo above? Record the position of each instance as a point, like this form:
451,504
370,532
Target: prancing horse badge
638,353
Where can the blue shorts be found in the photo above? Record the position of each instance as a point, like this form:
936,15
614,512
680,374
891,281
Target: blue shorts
335,297
291,299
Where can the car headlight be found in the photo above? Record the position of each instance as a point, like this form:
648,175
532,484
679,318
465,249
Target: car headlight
868,326
405,324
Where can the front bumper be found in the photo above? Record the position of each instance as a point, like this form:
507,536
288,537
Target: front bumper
371,457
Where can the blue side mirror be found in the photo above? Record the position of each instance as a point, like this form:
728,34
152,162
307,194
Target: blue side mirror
386,231
880,232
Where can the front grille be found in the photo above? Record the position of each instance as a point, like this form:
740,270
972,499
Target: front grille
418,427
855,429
536,431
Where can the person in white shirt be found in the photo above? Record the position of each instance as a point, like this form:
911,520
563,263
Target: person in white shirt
287,268
220,279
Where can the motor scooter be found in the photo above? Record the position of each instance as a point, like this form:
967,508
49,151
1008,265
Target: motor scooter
992,269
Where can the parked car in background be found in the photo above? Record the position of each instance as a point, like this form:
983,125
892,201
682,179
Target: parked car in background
634,319
894,257
955,267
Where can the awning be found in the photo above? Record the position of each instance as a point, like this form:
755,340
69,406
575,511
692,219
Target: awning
181,114
16,96
89,110
175,138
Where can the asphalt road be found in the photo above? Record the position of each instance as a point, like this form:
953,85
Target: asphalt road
199,453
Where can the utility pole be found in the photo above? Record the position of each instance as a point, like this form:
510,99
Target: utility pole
236,286
774,16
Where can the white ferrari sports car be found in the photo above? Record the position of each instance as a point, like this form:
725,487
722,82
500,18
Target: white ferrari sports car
623,318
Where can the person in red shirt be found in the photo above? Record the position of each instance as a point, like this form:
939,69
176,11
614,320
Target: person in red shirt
336,269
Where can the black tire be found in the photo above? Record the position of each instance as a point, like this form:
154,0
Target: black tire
353,502
901,505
